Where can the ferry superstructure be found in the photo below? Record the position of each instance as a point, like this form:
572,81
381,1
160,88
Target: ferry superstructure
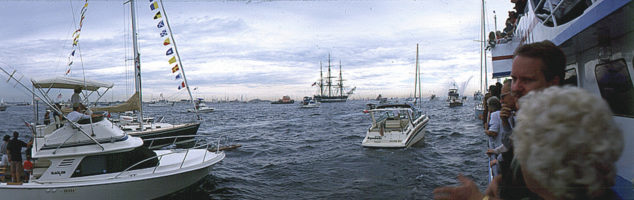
598,40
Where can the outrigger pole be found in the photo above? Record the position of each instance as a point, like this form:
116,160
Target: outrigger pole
169,28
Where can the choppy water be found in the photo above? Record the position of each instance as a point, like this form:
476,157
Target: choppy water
293,153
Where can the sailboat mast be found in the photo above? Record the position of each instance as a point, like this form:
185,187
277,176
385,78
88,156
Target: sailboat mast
340,80
167,23
137,64
483,47
416,76
321,80
329,78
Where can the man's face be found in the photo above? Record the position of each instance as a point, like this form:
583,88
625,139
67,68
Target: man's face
528,76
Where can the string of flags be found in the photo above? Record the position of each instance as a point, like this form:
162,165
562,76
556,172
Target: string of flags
71,56
176,70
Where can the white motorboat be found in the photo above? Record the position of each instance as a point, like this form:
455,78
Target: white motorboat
395,126
201,107
3,106
309,102
454,98
94,159
100,161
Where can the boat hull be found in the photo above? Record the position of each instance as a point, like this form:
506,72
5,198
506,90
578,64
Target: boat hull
130,187
330,99
416,135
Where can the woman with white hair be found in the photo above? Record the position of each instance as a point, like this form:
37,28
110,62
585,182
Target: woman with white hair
567,144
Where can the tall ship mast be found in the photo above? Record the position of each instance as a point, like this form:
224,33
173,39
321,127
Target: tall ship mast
337,94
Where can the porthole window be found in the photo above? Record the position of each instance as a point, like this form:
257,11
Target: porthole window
615,85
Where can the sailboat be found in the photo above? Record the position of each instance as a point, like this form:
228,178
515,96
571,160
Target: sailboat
94,159
397,125
142,127
326,92
479,107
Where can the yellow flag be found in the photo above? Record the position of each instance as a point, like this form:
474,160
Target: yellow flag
166,42
173,59
158,15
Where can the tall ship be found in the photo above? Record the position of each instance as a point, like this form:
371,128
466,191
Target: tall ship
598,40
330,91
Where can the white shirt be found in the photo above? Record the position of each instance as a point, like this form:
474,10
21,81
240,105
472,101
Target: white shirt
76,116
494,125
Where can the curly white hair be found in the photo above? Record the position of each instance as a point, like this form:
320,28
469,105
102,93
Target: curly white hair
567,141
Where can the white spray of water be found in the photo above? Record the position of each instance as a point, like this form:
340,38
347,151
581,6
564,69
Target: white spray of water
463,87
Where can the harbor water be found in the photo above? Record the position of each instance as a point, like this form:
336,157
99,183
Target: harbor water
293,153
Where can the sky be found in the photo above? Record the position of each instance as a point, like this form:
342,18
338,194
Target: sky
250,49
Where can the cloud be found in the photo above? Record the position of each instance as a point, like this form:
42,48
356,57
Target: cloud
262,49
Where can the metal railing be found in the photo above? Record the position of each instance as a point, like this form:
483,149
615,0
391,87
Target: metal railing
206,144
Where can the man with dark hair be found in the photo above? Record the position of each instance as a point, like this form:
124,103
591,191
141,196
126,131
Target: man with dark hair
535,66
14,149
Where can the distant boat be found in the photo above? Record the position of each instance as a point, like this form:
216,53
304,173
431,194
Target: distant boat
201,106
326,92
309,102
160,103
3,106
433,96
454,97
284,100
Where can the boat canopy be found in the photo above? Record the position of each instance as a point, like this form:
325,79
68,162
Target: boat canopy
71,83
131,104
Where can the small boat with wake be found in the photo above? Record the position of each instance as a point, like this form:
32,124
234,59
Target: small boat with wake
309,102
201,107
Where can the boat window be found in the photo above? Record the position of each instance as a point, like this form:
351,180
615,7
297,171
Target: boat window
563,11
570,78
615,85
116,162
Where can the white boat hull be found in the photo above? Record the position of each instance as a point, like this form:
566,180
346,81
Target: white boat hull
128,186
396,139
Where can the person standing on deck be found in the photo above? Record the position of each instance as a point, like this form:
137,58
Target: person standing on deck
535,66
4,160
75,100
14,149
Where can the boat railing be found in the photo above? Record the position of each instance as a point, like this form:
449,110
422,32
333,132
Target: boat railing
206,144
490,157
180,139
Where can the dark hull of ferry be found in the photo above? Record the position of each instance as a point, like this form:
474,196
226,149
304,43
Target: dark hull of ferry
330,99
186,129
282,102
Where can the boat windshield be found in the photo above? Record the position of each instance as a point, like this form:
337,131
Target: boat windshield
391,114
